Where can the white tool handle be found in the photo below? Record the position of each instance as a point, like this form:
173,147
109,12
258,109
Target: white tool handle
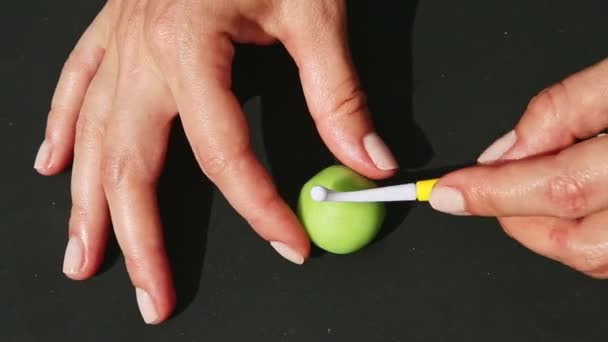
404,192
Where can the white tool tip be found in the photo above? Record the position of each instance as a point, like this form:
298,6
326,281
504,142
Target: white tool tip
318,193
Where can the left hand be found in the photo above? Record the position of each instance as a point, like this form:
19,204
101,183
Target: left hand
143,63
548,190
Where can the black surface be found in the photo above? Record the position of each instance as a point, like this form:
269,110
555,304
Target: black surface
445,79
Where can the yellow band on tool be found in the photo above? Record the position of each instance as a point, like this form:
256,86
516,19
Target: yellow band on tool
423,189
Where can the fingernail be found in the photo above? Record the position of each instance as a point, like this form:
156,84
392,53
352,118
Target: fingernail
287,252
74,255
379,152
447,200
43,157
498,148
146,306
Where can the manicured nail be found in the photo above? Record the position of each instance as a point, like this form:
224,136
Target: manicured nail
146,306
498,148
447,200
74,256
379,152
43,158
287,252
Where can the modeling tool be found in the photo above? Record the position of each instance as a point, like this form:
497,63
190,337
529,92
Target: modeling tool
417,191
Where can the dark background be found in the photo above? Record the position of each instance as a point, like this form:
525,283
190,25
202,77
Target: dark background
445,78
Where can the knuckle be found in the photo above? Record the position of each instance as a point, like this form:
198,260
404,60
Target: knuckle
88,130
133,264
568,195
482,197
128,31
138,258
136,16
115,168
161,29
216,164
350,102
80,64
79,217
135,167
213,166
133,261
545,103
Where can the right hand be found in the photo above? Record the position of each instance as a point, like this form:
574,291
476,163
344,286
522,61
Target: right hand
548,189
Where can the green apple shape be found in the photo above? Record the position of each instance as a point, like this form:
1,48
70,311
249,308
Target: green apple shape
340,227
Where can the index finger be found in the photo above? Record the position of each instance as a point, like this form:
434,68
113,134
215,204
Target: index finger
570,184
575,108
218,133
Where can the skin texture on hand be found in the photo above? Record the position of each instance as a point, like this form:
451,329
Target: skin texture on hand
142,62
547,180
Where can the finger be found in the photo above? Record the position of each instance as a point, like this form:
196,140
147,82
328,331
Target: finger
217,131
570,184
582,244
56,150
333,92
135,144
89,218
574,109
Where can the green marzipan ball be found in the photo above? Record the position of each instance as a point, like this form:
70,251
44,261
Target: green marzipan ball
340,227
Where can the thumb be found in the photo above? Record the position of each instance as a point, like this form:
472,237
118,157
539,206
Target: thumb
573,109
333,92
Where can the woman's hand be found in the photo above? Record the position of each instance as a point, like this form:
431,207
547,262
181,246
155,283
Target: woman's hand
139,64
548,189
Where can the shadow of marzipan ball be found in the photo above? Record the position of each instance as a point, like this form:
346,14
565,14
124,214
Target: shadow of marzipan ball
340,227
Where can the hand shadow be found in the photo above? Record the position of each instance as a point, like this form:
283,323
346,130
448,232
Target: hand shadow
185,196
380,41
